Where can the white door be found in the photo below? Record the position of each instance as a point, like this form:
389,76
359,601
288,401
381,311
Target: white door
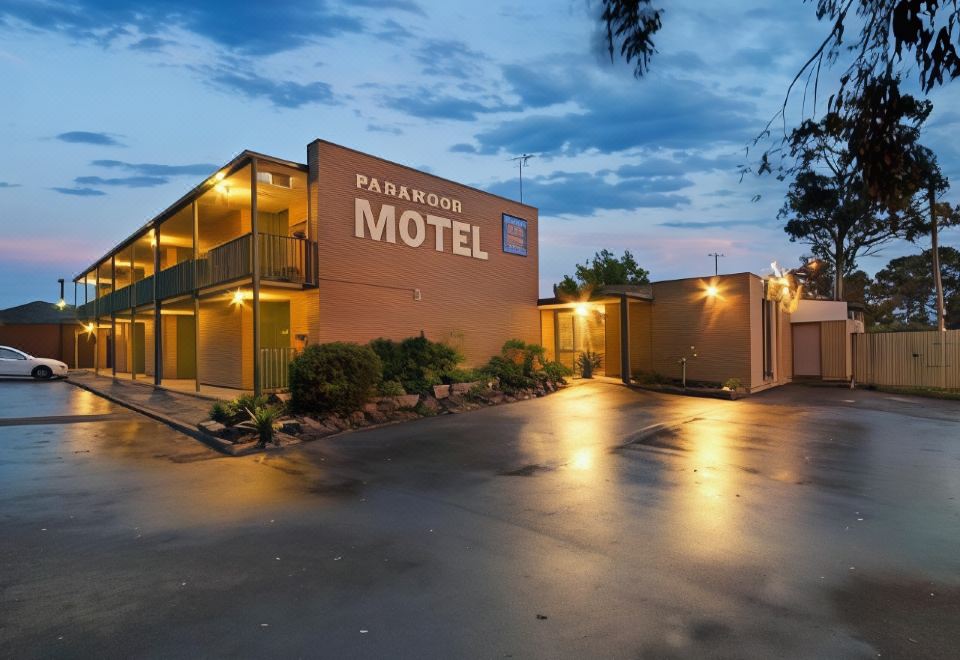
806,349
14,363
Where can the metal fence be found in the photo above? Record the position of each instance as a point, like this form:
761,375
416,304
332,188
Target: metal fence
908,359
275,367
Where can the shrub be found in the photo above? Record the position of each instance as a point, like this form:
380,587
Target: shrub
557,372
587,362
221,412
733,384
336,377
651,378
261,420
520,366
391,388
416,362
459,375
509,374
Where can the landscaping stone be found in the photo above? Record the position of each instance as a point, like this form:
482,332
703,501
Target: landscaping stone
408,400
212,428
430,403
370,407
441,391
375,416
463,388
387,404
290,426
357,418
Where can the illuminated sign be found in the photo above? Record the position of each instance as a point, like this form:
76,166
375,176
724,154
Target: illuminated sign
514,235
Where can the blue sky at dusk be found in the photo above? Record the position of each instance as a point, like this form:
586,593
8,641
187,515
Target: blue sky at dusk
112,110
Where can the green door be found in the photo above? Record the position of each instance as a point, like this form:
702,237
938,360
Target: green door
186,347
139,346
275,324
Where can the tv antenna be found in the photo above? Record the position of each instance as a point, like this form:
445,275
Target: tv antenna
716,261
522,159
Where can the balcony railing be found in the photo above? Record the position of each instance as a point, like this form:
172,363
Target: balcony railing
282,258
275,367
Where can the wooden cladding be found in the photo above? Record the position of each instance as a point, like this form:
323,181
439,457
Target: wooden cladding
908,359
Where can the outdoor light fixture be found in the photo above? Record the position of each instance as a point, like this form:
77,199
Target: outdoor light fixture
582,310
238,297
712,291
88,328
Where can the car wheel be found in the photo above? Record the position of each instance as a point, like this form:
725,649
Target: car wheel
43,373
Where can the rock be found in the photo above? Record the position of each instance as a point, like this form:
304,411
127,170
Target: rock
509,399
211,427
463,388
357,418
404,415
337,422
407,400
550,387
375,416
441,391
290,426
313,424
387,404
370,407
430,403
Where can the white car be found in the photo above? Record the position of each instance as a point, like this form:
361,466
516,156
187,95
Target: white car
18,363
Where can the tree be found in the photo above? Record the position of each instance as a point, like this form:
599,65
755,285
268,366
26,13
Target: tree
903,294
827,206
885,33
604,269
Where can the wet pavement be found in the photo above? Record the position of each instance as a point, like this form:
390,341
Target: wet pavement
596,522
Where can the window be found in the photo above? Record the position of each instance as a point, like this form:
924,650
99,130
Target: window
7,354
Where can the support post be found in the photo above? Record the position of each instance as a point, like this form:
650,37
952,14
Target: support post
196,295
113,317
255,251
157,323
96,322
625,340
133,311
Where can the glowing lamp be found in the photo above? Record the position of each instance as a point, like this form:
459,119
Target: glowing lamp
61,304
712,291
88,328
238,297
582,310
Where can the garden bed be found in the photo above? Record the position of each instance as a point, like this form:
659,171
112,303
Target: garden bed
706,392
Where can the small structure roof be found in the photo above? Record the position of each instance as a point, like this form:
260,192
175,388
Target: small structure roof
38,312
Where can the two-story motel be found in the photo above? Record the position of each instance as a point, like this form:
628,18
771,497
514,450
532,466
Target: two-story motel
267,255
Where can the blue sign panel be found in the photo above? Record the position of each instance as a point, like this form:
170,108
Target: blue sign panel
514,235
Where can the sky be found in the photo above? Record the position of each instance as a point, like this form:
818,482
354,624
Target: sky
113,109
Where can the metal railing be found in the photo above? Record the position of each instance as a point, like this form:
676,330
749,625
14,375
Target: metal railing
143,291
275,367
229,261
287,259
176,280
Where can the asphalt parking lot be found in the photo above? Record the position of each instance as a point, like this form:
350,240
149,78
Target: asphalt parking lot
596,522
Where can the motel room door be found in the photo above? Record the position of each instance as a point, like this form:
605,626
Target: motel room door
566,337
806,350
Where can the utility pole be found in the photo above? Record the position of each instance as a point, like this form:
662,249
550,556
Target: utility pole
935,257
716,261
522,160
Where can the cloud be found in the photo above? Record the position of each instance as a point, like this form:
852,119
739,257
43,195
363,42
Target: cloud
378,128
282,93
463,148
706,224
449,57
400,5
255,28
151,44
154,169
89,137
80,192
426,104
127,182
7,184
584,193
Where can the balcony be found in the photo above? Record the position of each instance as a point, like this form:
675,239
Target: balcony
282,259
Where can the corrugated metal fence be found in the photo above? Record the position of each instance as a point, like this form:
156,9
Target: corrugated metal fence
908,359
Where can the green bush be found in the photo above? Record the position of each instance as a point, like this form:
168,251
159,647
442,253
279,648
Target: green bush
336,377
521,366
416,362
557,372
588,362
391,388
261,420
509,374
733,384
460,375
221,412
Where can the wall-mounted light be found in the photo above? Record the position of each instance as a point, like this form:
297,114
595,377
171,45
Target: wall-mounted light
582,309
238,297
88,328
712,291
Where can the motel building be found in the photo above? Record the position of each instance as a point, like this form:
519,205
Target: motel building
217,293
